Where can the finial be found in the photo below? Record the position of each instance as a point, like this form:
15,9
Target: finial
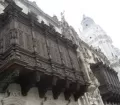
84,16
34,3
63,15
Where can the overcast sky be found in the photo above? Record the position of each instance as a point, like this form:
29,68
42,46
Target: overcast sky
106,13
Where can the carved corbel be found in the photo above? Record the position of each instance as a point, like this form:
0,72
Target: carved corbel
24,89
43,85
27,83
54,81
68,90
57,87
78,91
81,91
42,91
37,76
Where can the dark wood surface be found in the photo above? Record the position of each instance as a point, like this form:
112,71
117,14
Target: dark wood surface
41,56
109,82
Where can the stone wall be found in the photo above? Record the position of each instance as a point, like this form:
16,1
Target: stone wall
13,97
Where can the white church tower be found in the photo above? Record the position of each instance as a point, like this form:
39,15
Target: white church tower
96,37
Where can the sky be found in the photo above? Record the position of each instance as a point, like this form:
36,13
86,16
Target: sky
105,13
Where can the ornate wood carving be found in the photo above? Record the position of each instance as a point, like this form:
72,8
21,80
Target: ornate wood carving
74,60
25,36
41,45
65,56
47,60
109,84
54,51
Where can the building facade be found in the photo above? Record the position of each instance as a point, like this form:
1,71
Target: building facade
95,36
104,82
39,65
44,62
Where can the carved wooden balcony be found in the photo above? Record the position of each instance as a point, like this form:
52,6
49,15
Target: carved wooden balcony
109,82
34,54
